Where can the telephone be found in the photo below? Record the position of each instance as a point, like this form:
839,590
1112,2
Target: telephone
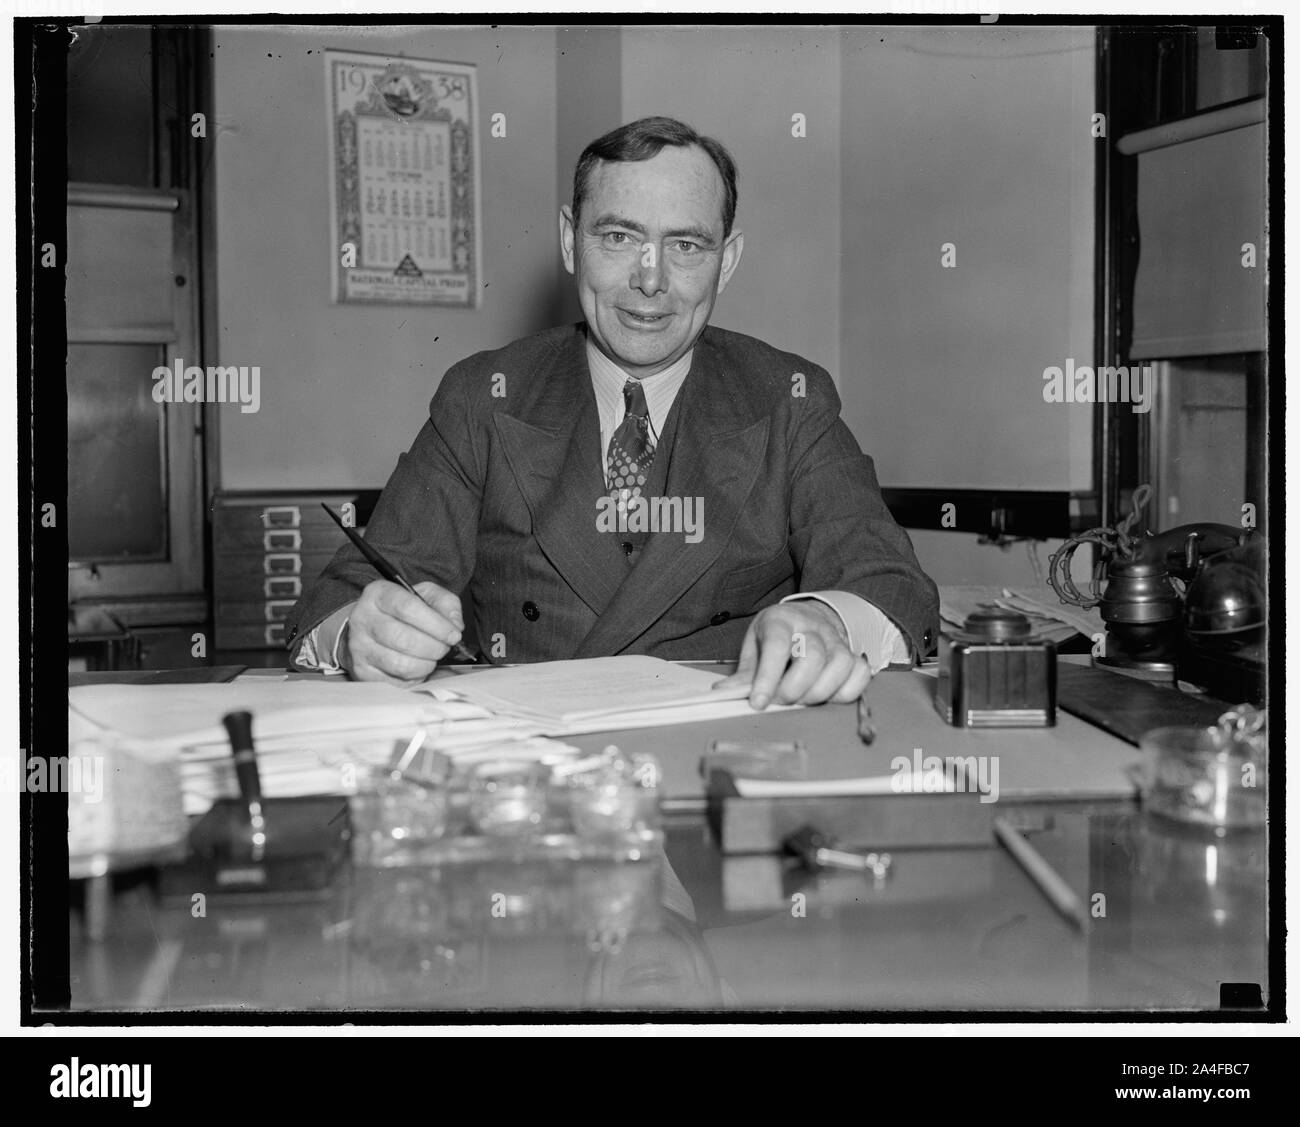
1189,603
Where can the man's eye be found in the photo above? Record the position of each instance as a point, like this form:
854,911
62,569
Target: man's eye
685,246
615,238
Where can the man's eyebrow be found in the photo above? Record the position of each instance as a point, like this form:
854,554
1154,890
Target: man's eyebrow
611,220
697,233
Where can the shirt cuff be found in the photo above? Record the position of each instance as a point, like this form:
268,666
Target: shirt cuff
870,630
325,639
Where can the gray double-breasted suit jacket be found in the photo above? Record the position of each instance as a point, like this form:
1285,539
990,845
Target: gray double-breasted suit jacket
498,499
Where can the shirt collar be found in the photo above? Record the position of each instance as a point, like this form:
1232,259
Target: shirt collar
607,380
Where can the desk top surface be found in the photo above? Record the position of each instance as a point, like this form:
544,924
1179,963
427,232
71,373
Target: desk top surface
1176,912
947,930
1072,760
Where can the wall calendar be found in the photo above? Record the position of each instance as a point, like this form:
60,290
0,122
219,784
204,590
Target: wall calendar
404,180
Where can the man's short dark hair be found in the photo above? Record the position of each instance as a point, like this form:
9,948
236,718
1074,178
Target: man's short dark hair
642,140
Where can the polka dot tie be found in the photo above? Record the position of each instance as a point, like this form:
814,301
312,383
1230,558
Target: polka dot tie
631,449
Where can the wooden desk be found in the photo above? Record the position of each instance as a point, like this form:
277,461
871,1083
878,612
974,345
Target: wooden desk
950,929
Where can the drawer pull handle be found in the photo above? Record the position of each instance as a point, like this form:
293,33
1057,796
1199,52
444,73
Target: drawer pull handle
281,516
282,563
277,610
274,634
287,541
282,586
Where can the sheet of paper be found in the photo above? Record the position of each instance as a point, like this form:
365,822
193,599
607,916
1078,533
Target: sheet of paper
1049,617
598,694
1086,622
533,747
813,788
662,716
903,782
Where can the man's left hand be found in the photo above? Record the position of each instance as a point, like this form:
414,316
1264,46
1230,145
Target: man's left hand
797,653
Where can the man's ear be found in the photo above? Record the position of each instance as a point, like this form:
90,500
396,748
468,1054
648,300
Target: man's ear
731,251
566,237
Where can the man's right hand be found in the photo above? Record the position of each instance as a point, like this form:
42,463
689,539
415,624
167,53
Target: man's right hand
393,636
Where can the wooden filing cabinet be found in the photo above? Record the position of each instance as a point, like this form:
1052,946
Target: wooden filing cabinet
267,549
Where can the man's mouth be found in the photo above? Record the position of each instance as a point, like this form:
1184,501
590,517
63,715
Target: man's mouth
643,318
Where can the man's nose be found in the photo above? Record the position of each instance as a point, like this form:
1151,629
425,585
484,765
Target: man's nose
650,275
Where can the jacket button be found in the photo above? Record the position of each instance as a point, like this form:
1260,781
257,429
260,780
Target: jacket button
531,612
928,638
719,618
627,547
293,633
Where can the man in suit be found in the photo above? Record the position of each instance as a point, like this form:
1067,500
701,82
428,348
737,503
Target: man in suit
638,483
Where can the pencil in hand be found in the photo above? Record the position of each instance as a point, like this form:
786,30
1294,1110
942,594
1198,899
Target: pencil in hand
389,571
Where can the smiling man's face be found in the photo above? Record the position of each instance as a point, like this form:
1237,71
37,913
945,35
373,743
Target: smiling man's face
650,257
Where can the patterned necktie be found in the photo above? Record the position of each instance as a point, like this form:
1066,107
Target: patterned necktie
631,449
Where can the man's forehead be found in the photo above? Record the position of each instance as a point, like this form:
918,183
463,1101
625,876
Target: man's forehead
681,178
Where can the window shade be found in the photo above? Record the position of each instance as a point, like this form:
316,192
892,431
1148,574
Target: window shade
121,274
1199,202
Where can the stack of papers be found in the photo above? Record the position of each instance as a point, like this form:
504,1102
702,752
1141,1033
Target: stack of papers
156,719
324,736
312,737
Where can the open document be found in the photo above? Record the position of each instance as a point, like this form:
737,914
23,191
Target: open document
598,694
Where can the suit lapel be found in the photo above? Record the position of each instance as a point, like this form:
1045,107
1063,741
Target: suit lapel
553,448
716,456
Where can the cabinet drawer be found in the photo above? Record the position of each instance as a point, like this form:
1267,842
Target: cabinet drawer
269,636
245,540
232,517
254,567
249,613
241,587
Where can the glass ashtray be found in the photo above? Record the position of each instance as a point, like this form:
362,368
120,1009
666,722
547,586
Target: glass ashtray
394,818
613,795
1209,777
508,797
